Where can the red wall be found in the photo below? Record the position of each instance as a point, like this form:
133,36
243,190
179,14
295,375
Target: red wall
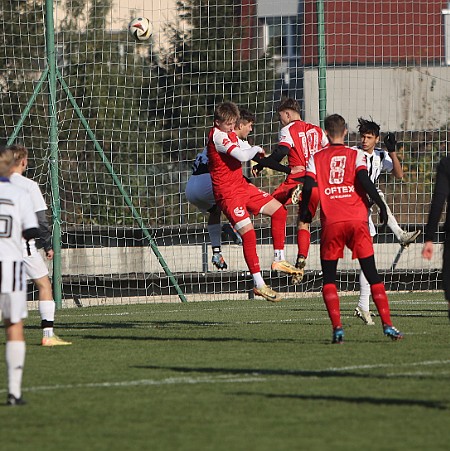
376,31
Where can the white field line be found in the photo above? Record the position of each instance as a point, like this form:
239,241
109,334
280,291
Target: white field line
223,379
232,379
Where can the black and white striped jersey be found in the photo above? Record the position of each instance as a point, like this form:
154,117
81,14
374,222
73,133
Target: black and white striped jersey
16,215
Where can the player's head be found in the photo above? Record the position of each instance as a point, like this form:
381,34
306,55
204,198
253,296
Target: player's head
244,124
226,115
369,132
335,128
288,111
6,161
20,157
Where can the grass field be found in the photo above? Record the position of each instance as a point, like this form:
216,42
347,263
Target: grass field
235,375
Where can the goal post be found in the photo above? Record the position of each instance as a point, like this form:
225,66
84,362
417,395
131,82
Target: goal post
113,127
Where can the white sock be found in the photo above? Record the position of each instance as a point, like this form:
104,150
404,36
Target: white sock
393,225
364,292
258,280
15,360
215,234
47,310
279,255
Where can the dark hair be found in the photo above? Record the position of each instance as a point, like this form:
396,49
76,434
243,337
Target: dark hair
335,125
289,104
245,116
366,126
226,111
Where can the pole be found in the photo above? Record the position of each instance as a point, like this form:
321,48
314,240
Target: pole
322,72
53,144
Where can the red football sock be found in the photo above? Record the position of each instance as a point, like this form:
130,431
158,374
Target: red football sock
278,228
331,299
381,301
303,242
249,248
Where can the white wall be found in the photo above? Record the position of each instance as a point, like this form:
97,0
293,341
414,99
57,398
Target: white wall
407,98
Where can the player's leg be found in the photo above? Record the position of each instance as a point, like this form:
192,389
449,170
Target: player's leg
14,310
446,273
278,215
379,296
36,270
362,310
248,235
304,237
236,212
215,236
331,298
403,237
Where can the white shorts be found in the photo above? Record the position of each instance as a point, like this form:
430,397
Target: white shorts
35,266
200,193
14,306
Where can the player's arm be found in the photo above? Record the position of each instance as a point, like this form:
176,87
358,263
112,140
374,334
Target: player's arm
29,234
391,146
45,236
273,161
244,155
440,195
304,213
363,177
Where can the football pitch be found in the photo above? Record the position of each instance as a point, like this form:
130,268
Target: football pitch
235,375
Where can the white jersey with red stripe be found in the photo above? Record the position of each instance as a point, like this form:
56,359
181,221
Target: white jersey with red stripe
342,198
16,215
303,139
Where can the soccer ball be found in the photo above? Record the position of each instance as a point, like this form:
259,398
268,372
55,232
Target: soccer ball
140,28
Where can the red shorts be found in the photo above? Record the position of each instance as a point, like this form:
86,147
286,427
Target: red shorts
284,192
244,201
354,235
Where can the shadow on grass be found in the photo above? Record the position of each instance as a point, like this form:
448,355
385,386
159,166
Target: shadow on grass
283,372
353,400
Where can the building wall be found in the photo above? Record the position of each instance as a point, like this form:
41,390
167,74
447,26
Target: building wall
398,99
375,32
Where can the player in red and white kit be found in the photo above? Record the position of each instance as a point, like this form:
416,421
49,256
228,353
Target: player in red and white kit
343,182
17,221
237,197
298,140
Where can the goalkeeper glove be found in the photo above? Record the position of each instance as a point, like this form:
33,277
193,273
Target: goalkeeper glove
390,142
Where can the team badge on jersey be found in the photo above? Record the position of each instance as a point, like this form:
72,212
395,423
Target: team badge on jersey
239,212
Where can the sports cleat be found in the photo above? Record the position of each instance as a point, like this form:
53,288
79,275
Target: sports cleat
296,195
286,267
392,333
409,237
11,400
300,264
365,315
266,292
219,262
229,231
338,336
54,341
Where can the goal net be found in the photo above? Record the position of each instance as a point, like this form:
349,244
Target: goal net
113,126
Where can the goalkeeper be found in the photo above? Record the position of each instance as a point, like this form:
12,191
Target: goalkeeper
378,161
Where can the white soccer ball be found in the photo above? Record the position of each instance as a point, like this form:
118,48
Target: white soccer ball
140,28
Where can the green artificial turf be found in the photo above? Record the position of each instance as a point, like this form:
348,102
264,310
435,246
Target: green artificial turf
235,375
